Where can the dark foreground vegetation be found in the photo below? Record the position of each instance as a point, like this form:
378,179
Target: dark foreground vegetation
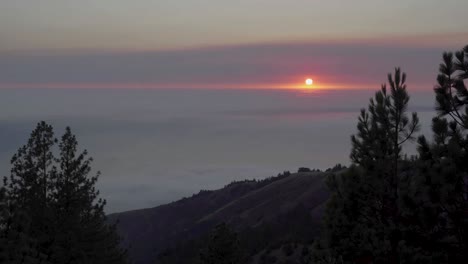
391,209
50,209
386,208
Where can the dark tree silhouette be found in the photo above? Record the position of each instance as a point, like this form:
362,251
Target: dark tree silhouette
81,229
28,188
364,216
451,91
222,247
16,246
57,196
441,202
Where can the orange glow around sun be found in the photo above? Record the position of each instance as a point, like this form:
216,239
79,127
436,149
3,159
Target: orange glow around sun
294,82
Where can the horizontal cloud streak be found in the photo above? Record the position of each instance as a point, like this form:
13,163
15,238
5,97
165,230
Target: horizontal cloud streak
351,64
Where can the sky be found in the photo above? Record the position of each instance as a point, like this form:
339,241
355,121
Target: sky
171,97
223,44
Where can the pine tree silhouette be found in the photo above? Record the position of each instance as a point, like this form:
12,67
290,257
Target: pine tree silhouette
222,247
364,217
441,201
58,196
451,91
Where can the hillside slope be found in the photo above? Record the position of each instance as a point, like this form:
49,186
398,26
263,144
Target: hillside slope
279,204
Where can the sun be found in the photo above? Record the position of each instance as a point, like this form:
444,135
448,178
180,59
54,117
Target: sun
309,82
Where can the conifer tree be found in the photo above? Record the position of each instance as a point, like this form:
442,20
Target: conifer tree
343,237
28,188
451,91
441,202
222,247
66,219
364,215
16,246
82,232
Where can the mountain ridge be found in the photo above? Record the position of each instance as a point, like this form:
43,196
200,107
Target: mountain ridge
276,202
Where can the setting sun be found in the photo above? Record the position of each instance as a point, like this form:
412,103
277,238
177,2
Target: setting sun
309,82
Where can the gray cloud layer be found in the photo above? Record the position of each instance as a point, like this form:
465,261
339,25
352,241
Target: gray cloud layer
249,64
155,146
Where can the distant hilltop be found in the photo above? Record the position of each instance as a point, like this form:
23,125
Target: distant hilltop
285,208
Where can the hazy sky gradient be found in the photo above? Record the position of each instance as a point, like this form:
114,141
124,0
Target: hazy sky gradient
224,44
149,24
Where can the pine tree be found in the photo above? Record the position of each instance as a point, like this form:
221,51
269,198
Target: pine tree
82,232
16,246
222,247
441,202
344,237
66,219
364,217
28,189
451,91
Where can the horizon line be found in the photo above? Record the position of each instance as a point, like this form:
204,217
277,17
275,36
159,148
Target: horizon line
155,86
